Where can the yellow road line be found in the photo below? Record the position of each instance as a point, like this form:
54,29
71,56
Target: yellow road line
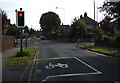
30,75
36,66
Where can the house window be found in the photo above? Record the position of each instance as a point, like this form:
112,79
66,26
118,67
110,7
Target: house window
90,26
89,29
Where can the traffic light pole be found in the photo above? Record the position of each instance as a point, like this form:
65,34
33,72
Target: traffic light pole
21,45
77,38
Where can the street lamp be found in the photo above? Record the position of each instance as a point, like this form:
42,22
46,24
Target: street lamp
63,10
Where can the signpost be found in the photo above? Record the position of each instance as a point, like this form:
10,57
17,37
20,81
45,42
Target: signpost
20,24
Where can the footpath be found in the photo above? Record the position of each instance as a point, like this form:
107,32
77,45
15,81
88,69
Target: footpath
10,73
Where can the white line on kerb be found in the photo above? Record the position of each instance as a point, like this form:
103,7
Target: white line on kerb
76,74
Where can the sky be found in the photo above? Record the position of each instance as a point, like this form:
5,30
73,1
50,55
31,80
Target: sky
66,9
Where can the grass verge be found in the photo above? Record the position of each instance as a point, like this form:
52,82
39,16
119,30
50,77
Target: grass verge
101,50
21,60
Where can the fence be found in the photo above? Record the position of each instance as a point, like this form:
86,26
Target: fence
7,42
114,44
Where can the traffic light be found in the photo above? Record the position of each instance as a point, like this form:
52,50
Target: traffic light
20,20
77,29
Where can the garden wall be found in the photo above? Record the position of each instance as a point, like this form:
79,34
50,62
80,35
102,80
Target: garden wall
7,42
111,44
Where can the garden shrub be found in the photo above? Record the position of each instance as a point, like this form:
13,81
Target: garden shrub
19,54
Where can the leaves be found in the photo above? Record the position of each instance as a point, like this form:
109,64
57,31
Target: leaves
49,21
112,9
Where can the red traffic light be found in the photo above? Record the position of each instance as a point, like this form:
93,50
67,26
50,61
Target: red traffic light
20,18
77,27
20,14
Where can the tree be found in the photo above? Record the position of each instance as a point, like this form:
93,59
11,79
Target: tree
112,10
13,31
31,32
99,34
49,21
78,23
5,22
26,29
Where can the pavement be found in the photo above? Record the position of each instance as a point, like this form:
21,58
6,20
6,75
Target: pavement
10,73
8,53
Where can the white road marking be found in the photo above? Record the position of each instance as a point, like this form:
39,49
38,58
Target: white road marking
65,75
54,58
76,74
116,81
87,65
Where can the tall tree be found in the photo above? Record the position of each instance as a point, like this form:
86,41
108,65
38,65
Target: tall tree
49,21
112,10
5,22
13,31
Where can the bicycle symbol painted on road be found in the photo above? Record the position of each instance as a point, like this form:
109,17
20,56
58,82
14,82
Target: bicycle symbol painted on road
52,65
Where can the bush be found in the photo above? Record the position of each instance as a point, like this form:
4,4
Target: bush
60,35
106,38
118,39
89,35
19,54
99,34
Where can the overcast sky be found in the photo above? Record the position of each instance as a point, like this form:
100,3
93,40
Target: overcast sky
67,9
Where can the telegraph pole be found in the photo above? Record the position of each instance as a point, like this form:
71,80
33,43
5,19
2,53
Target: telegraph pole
94,25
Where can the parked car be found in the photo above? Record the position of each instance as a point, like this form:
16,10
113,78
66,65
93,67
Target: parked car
42,37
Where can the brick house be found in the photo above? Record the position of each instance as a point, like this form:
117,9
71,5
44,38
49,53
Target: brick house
89,22
64,28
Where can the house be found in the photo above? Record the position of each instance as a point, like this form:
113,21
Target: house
116,29
64,28
89,22
109,27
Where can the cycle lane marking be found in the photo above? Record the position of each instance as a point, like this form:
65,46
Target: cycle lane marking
76,74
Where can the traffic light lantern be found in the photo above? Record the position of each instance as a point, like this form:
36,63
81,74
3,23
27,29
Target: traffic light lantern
77,29
20,20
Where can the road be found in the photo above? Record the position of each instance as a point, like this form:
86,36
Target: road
65,62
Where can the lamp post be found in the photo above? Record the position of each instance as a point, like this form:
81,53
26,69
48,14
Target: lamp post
63,10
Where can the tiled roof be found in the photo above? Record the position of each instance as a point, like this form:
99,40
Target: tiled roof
88,20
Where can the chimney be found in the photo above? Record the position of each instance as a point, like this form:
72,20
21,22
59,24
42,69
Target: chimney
81,16
85,14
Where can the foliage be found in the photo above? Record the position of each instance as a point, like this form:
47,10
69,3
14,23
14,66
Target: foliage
49,21
112,10
102,50
5,21
21,60
31,31
118,39
26,30
78,23
13,31
99,34
19,54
